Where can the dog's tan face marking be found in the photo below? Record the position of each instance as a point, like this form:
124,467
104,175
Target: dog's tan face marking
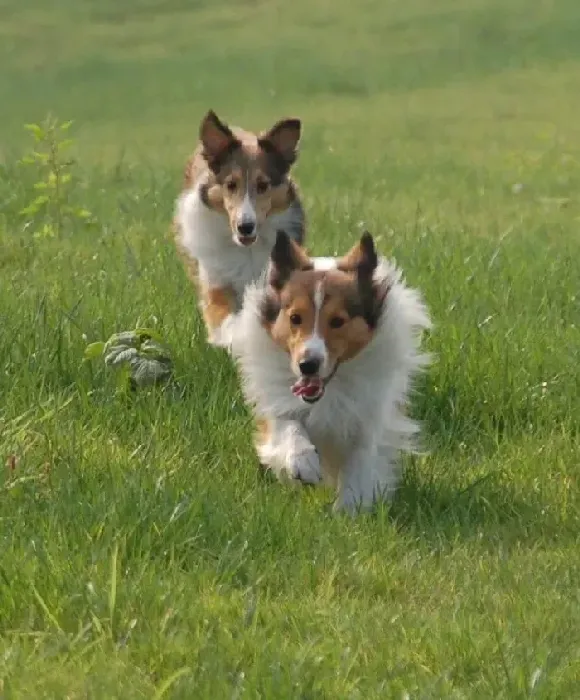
322,319
248,173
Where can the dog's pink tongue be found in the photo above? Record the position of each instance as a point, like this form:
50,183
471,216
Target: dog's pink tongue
307,386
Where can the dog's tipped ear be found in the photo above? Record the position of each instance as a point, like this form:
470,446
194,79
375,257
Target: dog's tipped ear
286,257
362,257
368,260
372,292
283,138
216,137
282,260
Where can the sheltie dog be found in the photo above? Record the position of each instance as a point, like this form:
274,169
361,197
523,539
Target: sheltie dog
237,193
327,350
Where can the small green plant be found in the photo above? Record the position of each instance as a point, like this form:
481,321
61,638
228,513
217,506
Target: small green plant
55,182
139,356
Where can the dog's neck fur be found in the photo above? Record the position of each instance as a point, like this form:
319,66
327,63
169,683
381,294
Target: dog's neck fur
205,236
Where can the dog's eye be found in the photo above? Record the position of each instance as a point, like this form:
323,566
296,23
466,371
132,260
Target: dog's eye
231,185
262,186
336,322
296,319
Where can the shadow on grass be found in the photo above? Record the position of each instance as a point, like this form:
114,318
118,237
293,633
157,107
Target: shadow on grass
489,509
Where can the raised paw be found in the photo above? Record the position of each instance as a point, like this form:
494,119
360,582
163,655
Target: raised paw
305,467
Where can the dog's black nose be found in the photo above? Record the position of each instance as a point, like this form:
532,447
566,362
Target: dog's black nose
246,228
309,367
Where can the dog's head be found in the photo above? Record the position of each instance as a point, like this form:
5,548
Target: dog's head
248,173
321,318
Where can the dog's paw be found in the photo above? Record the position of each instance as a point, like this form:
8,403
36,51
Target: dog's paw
305,467
224,335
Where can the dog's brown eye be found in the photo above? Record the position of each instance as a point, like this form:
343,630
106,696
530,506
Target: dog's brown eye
231,185
296,319
336,322
261,186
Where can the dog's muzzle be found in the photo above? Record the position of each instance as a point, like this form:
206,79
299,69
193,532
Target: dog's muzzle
246,231
311,387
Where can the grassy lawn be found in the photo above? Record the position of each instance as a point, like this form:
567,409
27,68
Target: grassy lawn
141,553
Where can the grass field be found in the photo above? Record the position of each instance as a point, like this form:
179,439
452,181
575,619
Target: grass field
141,554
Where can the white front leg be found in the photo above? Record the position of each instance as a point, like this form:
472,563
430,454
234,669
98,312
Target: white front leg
290,454
223,336
368,474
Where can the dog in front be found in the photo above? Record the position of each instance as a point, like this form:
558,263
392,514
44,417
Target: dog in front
237,194
327,350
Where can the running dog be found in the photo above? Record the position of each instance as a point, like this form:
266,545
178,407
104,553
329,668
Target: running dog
327,350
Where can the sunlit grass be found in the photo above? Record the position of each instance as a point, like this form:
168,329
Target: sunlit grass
142,553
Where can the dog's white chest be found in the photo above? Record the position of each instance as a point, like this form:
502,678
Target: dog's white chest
236,267
206,236
335,419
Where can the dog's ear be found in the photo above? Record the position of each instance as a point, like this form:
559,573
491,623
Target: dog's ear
216,138
269,307
368,260
283,139
285,258
362,260
361,256
372,293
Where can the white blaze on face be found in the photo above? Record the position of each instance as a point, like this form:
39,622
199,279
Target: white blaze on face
247,214
315,347
324,264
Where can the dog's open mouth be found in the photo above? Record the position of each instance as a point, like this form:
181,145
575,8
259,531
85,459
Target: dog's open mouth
309,389
246,240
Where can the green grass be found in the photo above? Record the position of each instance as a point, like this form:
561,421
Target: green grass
141,553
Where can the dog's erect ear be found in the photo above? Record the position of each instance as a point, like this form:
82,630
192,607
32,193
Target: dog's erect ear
372,294
362,260
286,257
361,256
269,307
368,260
216,137
283,139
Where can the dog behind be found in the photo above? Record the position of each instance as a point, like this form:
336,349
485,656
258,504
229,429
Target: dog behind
237,193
